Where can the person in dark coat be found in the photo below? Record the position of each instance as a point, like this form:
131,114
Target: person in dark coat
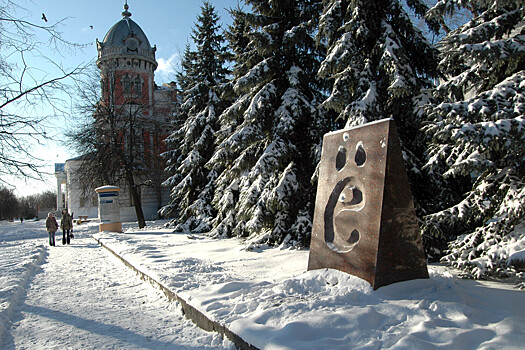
66,224
51,227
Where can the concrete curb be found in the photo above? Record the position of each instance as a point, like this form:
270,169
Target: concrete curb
201,320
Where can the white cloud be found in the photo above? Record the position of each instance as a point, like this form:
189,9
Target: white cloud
166,68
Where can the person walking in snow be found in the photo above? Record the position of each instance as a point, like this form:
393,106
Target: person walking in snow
51,227
66,224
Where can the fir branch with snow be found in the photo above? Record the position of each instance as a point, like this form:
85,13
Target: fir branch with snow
378,63
476,132
276,128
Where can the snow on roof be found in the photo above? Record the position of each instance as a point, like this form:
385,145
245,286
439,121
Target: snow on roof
107,188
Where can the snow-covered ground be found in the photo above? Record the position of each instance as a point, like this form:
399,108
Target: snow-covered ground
263,295
82,297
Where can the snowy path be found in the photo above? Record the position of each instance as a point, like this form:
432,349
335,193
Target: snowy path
81,297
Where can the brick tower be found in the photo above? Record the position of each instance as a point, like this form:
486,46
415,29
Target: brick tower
127,64
140,114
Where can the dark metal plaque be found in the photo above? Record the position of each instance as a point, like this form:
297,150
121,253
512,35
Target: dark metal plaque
364,220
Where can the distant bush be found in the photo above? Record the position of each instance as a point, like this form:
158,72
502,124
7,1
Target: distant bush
9,205
30,205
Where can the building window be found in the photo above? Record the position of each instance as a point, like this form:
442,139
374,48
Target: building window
126,85
138,86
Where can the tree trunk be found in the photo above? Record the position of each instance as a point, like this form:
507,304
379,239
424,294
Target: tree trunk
136,200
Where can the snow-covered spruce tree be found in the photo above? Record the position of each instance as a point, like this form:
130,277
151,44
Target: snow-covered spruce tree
190,147
477,132
379,62
227,189
173,154
266,190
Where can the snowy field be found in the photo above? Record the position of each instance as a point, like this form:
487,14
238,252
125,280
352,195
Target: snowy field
82,297
263,295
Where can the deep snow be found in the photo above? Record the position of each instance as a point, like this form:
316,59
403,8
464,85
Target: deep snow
264,295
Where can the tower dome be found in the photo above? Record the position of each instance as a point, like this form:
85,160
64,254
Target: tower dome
126,40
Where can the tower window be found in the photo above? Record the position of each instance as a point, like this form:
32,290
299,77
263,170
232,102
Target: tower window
138,86
126,84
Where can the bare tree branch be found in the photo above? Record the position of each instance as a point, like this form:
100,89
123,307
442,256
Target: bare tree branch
39,86
32,93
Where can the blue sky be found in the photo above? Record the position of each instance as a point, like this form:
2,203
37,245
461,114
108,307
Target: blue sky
167,24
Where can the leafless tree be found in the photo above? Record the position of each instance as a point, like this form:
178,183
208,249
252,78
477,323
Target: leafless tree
32,204
110,140
30,83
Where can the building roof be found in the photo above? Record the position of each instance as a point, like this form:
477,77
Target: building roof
127,37
123,29
81,157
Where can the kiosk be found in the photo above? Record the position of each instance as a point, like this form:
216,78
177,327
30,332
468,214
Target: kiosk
109,209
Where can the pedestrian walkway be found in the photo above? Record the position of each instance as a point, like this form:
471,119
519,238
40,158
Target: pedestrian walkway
85,298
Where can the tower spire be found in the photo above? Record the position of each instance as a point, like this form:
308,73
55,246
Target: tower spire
126,13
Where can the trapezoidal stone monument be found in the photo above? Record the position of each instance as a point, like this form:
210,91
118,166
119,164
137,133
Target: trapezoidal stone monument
364,221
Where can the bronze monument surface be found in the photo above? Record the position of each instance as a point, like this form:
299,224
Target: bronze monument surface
364,221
